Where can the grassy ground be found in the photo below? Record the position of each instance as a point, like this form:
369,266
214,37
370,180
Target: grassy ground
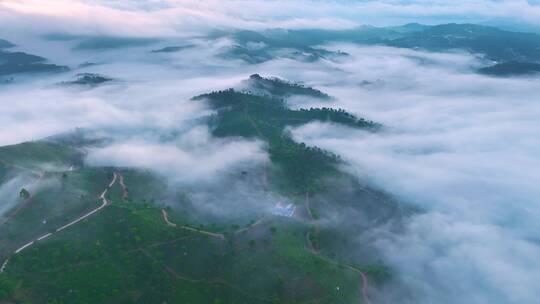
127,254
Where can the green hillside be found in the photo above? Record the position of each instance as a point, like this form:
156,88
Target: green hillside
106,235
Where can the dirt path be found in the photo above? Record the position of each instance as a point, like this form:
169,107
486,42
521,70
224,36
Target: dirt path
123,186
4,265
220,281
167,268
165,216
104,204
364,280
364,287
311,246
258,222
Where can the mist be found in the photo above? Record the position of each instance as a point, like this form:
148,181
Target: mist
9,191
461,147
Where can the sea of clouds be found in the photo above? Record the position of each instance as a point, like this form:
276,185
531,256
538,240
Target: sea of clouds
461,147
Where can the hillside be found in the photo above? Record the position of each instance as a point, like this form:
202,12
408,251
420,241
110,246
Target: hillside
59,247
493,43
511,68
20,62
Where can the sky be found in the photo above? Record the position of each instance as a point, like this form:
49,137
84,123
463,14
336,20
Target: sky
190,17
459,146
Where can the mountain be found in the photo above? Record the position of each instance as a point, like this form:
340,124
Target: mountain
5,44
254,47
88,79
98,235
173,49
495,44
280,88
100,42
491,42
511,68
106,42
20,62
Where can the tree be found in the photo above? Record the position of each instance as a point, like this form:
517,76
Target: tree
24,193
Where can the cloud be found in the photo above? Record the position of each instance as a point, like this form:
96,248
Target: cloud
195,157
151,95
462,148
441,256
189,17
9,192
209,169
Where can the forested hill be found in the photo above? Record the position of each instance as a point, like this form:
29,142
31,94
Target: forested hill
267,118
280,88
20,62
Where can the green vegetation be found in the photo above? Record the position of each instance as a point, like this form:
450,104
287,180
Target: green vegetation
35,155
281,89
19,62
24,194
494,43
253,47
7,287
254,116
89,79
172,49
128,254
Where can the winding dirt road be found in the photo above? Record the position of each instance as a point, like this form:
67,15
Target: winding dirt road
364,287
165,216
104,204
122,185
364,280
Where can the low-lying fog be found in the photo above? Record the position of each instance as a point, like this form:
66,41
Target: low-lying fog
462,147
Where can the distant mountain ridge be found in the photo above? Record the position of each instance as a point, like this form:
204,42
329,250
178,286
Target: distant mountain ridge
280,88
491,42
511,68
20,62
5,44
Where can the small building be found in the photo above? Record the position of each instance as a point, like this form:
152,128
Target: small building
284,210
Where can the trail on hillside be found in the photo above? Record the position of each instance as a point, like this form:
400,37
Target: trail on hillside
122,185
165,217
249,227
364,280
104,204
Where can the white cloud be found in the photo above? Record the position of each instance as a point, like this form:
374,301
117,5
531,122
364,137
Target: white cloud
194,158
460,146
186,17
9,192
